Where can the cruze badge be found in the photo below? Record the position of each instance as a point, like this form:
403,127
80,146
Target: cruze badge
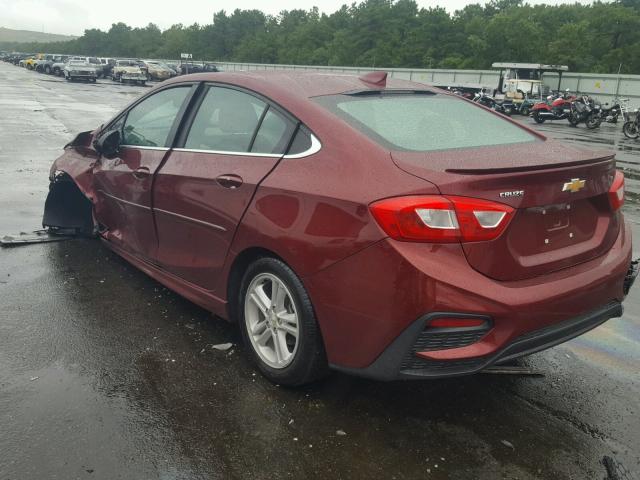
515,193
575,185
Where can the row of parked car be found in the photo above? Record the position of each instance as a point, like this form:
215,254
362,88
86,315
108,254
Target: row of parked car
123,70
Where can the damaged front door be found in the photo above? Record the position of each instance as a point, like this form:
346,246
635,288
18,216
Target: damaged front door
123,183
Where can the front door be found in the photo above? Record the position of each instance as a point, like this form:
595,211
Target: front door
123,183
203,189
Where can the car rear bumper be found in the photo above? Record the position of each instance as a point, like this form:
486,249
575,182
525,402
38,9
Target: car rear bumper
372,308
399,360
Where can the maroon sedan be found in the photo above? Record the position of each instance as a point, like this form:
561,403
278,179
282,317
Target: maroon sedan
381,228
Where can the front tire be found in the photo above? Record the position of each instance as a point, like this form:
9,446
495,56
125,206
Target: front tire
524,111
278,324
593,121
573,120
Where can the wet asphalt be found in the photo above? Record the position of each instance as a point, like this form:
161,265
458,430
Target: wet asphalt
105,374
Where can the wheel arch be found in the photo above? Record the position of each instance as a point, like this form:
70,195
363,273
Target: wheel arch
67,207
236,271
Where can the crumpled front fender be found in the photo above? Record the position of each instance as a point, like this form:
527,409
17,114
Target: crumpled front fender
69,204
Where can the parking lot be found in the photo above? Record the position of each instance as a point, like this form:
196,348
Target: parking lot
106,374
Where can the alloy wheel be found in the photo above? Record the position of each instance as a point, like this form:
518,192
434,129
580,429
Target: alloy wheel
272,320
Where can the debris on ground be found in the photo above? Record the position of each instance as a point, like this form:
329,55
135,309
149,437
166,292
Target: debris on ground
615,470
341,433
223,347
37,236
507,443
513,370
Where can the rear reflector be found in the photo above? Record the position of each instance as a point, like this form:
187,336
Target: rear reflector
441,219
616,191
456,322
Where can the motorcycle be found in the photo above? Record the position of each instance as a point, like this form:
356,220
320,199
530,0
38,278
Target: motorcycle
555,108
584,109
611,113
631,127
505,107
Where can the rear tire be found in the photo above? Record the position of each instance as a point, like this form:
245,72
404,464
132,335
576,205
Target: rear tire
296,359
524,111
630,130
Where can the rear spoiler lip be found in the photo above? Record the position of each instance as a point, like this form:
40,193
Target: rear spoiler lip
546,166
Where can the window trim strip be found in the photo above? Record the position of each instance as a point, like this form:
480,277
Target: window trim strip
221,152
142,147
313,149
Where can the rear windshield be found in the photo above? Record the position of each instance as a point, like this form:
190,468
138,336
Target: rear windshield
424,121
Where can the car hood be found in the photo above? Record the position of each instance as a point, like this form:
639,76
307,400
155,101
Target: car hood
129,69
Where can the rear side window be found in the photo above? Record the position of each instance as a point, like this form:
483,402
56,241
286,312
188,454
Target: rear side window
274,133
226,121
424,122
149,123
301,142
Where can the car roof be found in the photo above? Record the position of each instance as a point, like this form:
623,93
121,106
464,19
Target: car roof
304,85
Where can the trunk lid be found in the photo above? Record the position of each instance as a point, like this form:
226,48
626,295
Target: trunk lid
559,220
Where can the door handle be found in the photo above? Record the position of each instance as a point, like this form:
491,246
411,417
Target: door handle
229,181
141,173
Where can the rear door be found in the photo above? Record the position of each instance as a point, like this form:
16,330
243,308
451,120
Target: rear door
231,141
123,183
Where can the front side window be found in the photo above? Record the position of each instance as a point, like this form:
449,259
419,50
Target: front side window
423,121
149,123
226,121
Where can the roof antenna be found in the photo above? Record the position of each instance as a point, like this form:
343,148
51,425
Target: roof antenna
379,79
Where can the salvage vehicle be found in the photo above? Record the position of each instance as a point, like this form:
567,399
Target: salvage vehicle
107,65
375,226
58,66
158,70
30,63
47,64
79,70
40,63
128,71
194,67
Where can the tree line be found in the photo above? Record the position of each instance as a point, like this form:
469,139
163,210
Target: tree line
600,37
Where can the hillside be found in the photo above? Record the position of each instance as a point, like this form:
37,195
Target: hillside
24,36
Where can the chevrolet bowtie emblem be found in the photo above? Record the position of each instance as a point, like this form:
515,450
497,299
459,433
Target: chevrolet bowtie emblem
575,185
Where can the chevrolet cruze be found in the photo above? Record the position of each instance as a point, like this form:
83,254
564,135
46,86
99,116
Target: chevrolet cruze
370,225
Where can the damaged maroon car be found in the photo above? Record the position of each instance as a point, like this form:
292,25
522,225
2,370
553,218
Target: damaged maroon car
379,227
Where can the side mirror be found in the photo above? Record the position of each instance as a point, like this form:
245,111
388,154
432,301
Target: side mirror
108,144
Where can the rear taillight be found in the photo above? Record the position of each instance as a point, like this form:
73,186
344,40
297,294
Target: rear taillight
441,219
616,191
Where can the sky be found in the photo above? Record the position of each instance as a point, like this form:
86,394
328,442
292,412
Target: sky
72,17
